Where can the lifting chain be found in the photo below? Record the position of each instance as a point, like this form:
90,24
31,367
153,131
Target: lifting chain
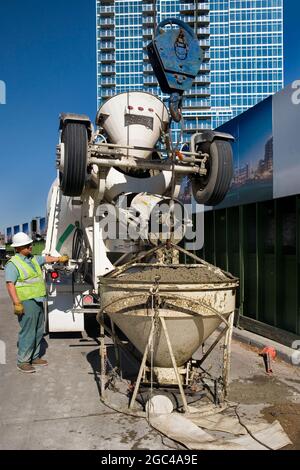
155,301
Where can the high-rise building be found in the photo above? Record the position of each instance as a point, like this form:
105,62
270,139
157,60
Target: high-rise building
125,27
242,42
246,49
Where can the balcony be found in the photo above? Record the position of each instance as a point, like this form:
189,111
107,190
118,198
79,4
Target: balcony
199,19
148,8
203,79
107,70
107,92
150,80
148,32
203,19
107,58
107,34
188,4
203,32
151,88
148,20
198,91
206,56
187,7
147,69
204,43
201,125
107,10
108,82
195,103
107,22
203,6
204,67
107,46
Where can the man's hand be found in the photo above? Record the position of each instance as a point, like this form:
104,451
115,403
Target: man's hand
18,309
63,259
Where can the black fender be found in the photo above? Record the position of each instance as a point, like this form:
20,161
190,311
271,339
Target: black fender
65,118
209,136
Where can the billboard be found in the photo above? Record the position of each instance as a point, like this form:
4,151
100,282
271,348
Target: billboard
286,118
266,150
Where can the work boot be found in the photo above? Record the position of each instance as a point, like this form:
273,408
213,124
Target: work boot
39,362
26,367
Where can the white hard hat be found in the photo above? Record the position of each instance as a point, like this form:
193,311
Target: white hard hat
21,239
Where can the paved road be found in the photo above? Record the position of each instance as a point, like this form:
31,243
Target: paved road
59,408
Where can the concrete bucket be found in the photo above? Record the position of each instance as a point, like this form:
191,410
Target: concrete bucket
133,119
193,300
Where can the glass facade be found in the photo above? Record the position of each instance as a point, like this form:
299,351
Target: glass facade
243,53
246,48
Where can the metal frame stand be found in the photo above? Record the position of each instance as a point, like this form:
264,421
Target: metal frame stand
143,363
226,333
156,318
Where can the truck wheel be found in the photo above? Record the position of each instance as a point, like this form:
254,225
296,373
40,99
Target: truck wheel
72,179
213,187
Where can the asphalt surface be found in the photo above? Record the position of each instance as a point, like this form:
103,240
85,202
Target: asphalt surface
59,406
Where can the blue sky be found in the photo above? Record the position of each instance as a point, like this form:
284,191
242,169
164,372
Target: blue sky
47,59
48,62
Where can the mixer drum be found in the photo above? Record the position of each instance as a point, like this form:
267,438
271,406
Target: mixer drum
193,299
134,119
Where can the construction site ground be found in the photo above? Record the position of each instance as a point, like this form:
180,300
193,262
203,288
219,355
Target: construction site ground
59,406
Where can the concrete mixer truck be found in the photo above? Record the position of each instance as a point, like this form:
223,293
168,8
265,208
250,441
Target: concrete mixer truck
110,177
114,210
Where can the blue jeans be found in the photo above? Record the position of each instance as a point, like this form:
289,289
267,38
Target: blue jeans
31,331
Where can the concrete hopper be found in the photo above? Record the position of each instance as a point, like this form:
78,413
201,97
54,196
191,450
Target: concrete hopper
193,300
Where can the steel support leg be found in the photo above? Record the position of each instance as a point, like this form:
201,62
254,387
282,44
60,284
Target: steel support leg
137,385
117,355
102,360
185,405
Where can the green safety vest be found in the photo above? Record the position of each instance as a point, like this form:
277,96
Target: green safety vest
30,283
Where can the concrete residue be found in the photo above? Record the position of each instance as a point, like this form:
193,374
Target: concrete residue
176,273
259,389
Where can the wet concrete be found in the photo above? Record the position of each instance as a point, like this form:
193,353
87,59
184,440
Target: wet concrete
176,273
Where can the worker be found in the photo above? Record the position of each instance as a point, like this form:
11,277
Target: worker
27,290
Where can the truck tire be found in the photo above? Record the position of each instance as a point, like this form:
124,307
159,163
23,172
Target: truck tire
212,188
72,178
